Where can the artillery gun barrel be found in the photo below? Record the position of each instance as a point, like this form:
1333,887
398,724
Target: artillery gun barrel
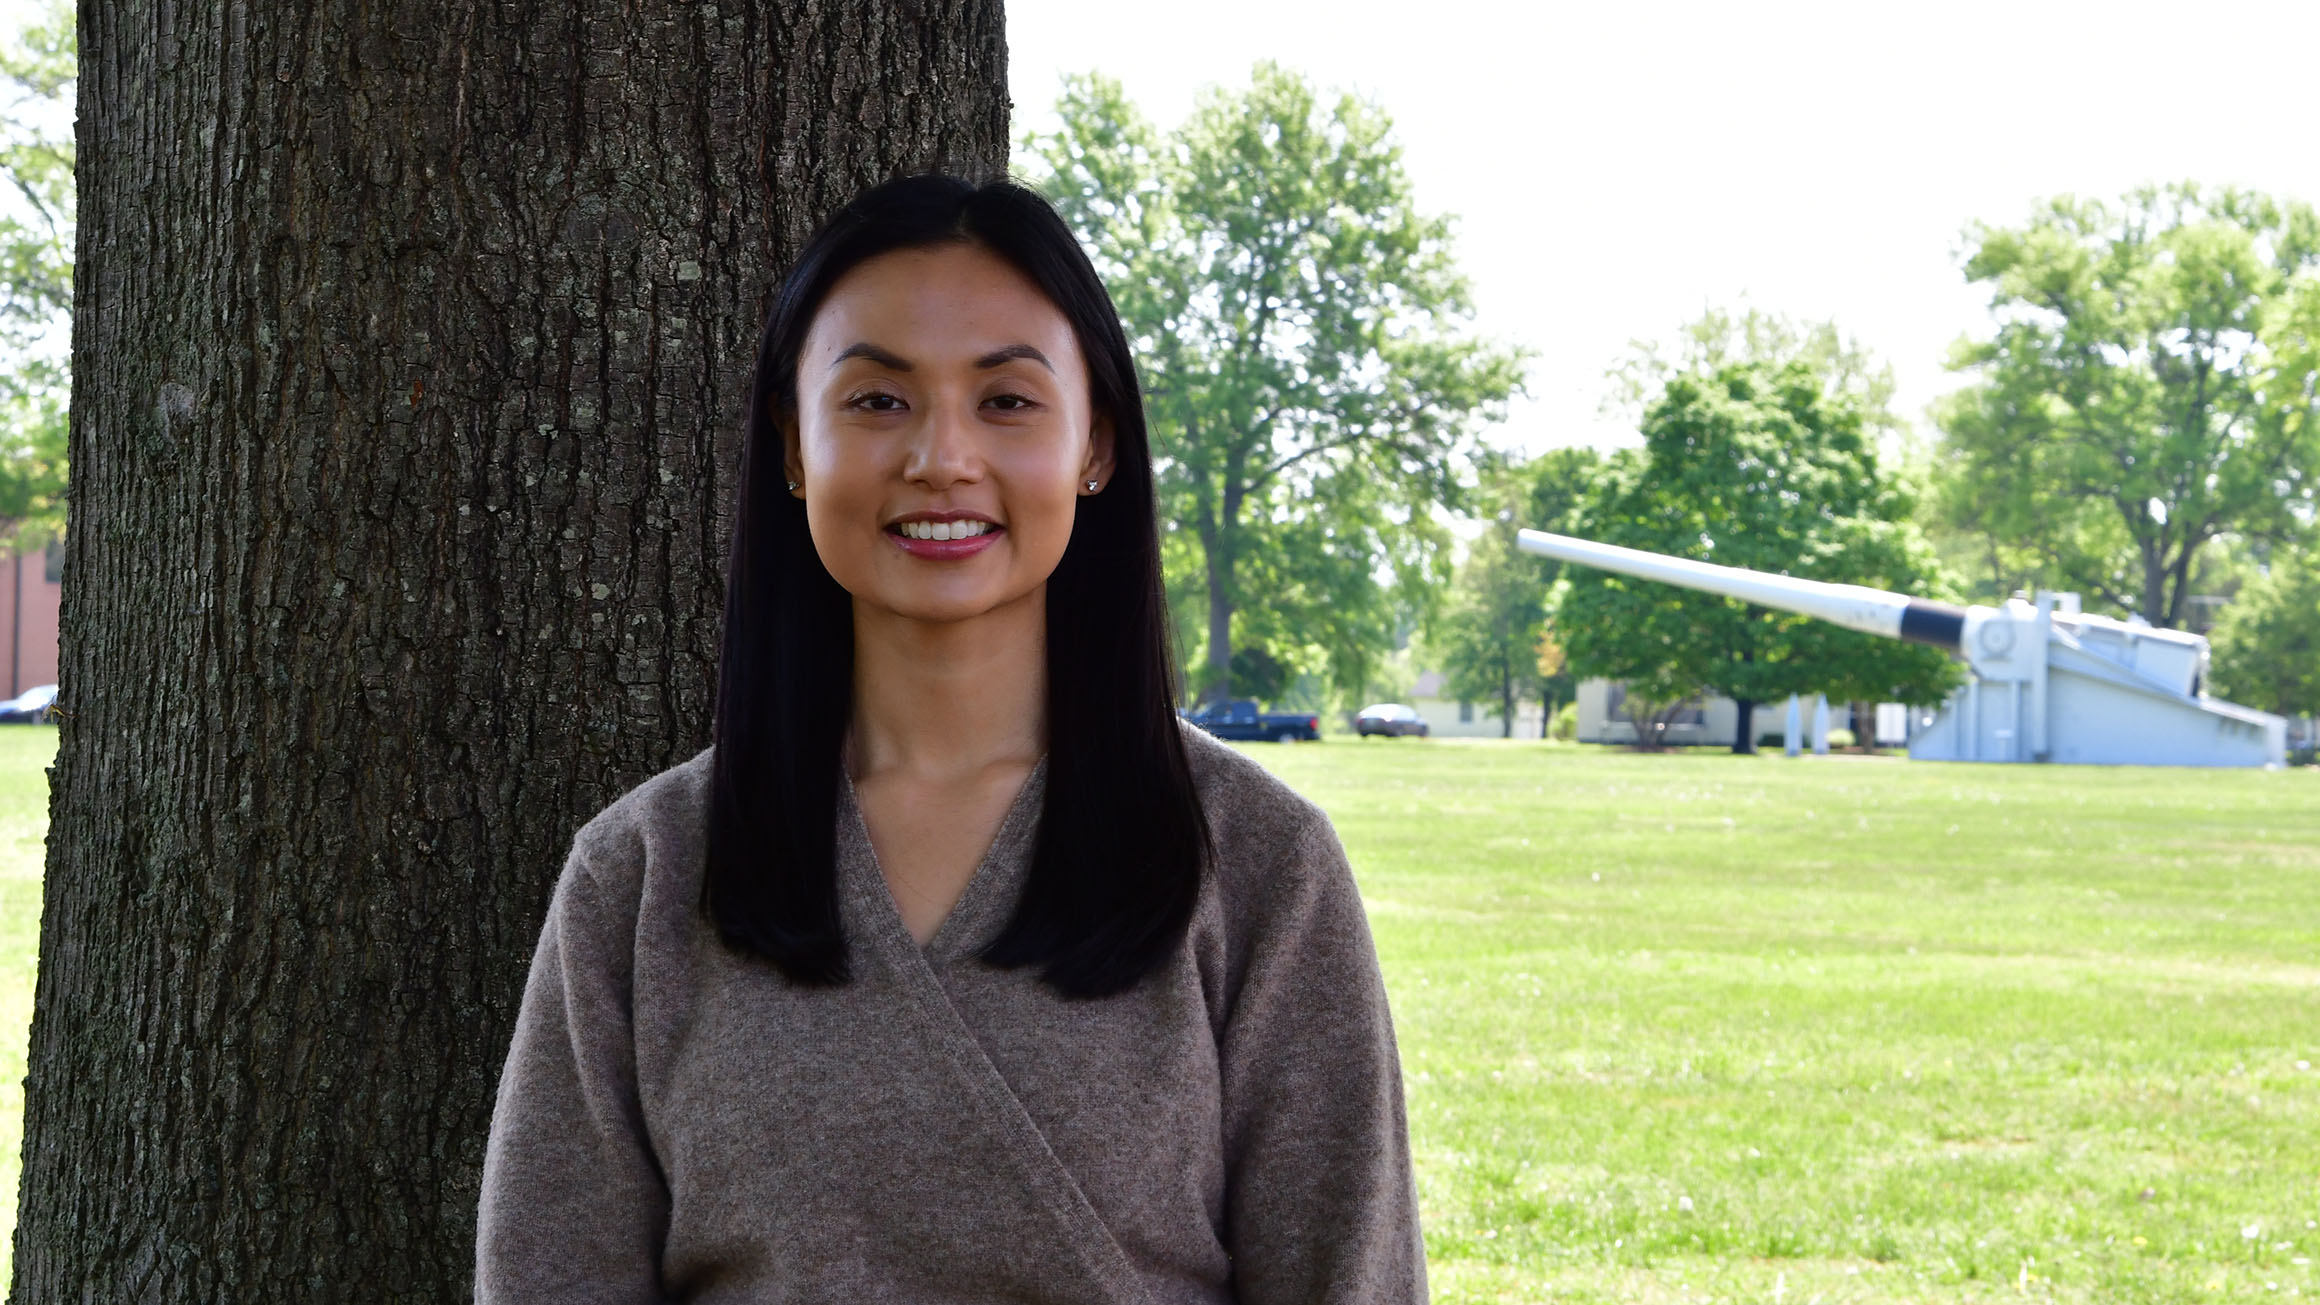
1855,607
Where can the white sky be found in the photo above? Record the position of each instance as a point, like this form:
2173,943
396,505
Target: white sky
1616,169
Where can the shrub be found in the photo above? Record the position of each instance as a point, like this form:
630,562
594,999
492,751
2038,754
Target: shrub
1778,738
1565,725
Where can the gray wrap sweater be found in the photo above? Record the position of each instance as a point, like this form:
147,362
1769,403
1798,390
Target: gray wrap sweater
675,1123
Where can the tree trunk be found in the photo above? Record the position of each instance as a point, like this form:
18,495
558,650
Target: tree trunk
411,343
2179,584
1219,687
1216,553
1744,742
1506,704
2154,582
1865,727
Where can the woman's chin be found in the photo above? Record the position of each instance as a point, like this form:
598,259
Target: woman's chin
952,608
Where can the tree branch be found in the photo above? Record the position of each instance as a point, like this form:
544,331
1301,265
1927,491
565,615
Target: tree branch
1368,431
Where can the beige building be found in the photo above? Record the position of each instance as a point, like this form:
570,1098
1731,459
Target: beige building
1706,722
1448,718
1712,721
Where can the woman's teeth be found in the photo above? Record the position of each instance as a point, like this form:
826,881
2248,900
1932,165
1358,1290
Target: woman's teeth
945,529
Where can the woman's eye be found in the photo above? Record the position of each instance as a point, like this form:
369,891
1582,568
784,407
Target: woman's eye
1010,402
875,401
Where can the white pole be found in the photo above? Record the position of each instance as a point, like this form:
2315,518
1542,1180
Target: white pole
2035,727
1871,611
2013,735
1790,742
1972,719
1820,733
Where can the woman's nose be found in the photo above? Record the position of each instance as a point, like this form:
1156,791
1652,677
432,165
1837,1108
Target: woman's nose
944,450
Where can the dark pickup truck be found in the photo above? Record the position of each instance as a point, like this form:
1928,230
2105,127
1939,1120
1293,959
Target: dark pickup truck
1240,719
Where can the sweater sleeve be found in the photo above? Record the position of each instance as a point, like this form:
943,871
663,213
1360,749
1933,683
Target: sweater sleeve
1321,1204
574,1206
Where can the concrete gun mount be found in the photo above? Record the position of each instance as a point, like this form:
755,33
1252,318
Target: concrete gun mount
2048,682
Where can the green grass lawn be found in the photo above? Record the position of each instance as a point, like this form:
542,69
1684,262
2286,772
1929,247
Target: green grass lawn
1713,1028
25,753
1709,1027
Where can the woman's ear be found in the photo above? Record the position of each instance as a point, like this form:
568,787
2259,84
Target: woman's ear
792,461
1099,459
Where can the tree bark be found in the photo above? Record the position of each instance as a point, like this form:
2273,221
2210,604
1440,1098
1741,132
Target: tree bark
1744,742
1219,687
411,342
1219,540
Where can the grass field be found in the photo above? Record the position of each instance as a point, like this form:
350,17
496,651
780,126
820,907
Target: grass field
1693,1028
25,752
1844,1029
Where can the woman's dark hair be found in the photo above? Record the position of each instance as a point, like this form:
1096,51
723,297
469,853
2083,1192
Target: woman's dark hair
1122,839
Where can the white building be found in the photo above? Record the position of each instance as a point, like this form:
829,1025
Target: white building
1448,718
1712,721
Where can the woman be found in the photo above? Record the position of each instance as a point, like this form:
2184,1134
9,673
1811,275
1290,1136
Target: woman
959,969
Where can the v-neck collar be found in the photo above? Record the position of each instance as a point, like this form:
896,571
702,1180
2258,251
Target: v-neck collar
991,889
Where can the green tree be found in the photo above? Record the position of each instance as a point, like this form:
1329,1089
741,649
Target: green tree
1257,673
1488,636
1491,627
2150,388
1556,489
1555,685
1559,485
1721,338
1754,467
1311,393
36,156
2267,642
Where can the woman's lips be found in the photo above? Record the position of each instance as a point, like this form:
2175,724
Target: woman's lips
945,549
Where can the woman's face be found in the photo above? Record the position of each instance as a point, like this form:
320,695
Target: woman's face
940,384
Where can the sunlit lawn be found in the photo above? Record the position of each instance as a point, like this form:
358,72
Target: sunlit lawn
25,753
1705,1027
1702,1027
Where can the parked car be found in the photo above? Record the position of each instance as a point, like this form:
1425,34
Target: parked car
1390,718
29,707
1240,719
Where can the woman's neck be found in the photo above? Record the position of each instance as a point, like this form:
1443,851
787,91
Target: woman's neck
945,701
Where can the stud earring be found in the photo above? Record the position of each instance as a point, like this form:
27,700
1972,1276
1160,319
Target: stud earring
793,484
1091,487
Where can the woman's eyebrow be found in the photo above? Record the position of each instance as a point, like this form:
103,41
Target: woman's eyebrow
895,362
997,356
865,349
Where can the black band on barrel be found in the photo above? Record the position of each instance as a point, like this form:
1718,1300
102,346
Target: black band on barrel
1939,624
